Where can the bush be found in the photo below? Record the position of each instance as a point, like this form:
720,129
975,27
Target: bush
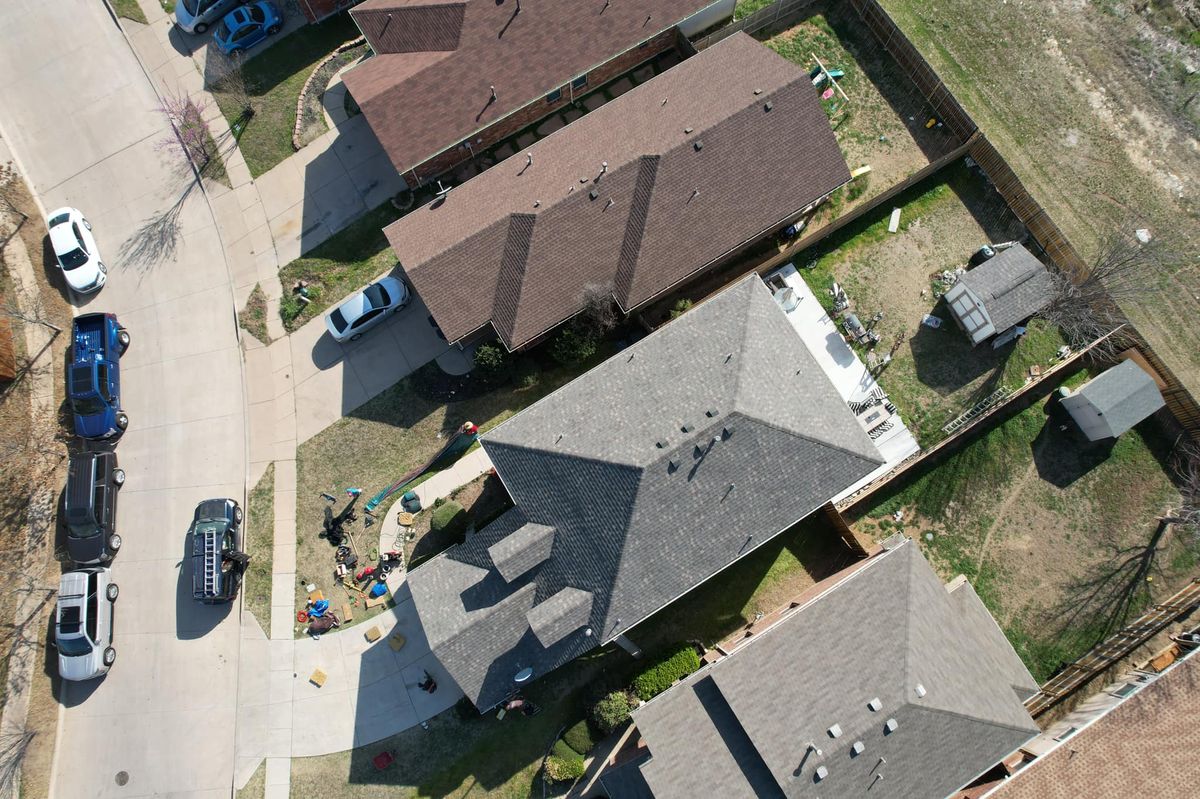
572,347
565,764
579,737
658,678
681,306
449,519
491,362
611,711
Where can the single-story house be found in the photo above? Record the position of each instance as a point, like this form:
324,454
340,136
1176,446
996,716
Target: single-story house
635,483
450,78
635,198
1108,405
1000,293
888,684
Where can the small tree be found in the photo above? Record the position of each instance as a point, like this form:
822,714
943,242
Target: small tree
191,137
681,306
491,362
580,338
229,79
611,711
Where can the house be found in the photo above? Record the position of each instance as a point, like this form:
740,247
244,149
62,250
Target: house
1000,293
888,683
1108,405
635,483
635,198
452,77
1137,737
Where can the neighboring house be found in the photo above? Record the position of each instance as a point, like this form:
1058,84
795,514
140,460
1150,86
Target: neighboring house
888,684
1108,405
635,483
635,198
1000,293
1138,738
453,77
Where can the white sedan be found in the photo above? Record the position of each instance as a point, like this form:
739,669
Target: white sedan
76,250
363,310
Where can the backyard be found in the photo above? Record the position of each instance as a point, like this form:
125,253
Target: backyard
1057,535
935,374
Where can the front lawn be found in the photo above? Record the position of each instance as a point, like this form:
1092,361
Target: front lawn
1056,535
273,81
260,545
129,9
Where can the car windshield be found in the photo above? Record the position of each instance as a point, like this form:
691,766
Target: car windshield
193,6
83,530
87,406
376,295
339,321
58,220
74,647
73,259
256,14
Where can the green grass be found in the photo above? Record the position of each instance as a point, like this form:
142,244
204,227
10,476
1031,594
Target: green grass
256,788
253,318
260,543
129,9
745,8
344,262
273,80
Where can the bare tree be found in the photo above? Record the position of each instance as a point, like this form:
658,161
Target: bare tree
1185,515
229,79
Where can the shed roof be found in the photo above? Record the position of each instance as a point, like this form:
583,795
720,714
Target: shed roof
656,469
633,198
1124,395
741,727
429,85
1012,286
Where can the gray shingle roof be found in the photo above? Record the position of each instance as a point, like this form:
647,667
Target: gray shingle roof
1124,395
741,726
1012,286
521,550
560,615
656,469
518,245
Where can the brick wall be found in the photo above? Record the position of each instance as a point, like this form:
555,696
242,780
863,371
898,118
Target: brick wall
538,109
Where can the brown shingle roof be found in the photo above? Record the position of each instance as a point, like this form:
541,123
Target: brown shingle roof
428,87
697,165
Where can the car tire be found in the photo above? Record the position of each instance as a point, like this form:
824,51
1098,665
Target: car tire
237,515
123,339
274,29
122,420
118,477
112,592
200,28
110,656
356,337
114,542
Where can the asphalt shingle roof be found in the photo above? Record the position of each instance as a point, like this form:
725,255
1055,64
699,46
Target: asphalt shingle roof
520,551
1012,286
656,469
740,727
428,87
518,245
1124,395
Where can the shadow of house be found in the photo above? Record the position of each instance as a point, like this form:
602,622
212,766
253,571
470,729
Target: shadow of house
646,476
1064,456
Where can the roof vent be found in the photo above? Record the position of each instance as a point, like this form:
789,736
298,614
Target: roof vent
688,130
835,731
920,691
768,105
875,705
686,428
857,749
593,194
697,145
672,467
889,726
821,774
660,444
757,92
711,412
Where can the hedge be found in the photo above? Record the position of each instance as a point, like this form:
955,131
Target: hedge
565,764
450,519
579,737
611,711
658,678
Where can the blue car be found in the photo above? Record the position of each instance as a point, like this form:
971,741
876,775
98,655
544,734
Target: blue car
94,376
245,27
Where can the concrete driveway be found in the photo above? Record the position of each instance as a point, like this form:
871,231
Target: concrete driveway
79,115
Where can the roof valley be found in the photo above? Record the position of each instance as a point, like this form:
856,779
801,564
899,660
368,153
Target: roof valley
510,283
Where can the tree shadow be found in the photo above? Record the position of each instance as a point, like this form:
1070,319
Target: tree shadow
156,239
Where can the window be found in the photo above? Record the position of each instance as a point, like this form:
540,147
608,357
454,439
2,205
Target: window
367,317
579,82
554,96
102,381
79,236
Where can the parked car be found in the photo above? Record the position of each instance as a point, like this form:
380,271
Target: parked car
248,25
83,624
362,311
90,507
194,16
76,251
94,376
215,546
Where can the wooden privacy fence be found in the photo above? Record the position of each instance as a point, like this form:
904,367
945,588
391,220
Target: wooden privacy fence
1113,649
778,13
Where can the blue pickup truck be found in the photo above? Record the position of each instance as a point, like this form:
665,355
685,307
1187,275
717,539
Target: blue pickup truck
94,376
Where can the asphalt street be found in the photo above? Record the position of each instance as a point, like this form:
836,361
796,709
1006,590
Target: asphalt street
81,119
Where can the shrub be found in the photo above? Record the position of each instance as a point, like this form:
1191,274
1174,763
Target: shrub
659,677
564,764
579,737
491,362
611,711
681,306
572,346
449,519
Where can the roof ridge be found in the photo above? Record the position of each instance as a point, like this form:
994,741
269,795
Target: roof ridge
907,616
635,227
969,717
747,310
510,282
